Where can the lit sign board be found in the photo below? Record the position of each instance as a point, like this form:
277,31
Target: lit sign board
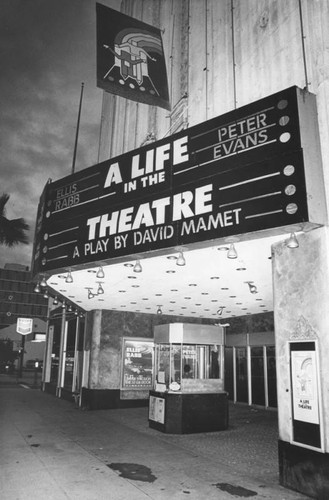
237,173
137,371
24,326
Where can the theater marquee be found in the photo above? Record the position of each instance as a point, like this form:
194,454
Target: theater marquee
237,173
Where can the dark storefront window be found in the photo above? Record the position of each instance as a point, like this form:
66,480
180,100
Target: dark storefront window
69,354
257,376
55,352
271,377
241,374
229,376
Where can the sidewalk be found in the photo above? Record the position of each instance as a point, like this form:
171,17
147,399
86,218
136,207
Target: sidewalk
51,450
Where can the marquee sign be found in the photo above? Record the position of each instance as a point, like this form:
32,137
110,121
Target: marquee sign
237,173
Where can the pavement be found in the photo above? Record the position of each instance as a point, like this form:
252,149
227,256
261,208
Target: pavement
50,449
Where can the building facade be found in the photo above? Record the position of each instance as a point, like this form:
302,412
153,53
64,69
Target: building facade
19,300
222,58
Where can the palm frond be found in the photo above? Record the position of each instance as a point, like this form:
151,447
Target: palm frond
12,232
3,200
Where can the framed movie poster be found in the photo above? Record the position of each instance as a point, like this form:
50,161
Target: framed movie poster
305,394
137,366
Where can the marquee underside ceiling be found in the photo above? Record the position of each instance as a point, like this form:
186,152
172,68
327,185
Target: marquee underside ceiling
209,285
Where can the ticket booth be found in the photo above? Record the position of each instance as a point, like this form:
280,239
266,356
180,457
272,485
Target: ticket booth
188,394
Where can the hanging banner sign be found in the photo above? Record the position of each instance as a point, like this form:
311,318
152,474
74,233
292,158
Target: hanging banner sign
130,58
237,173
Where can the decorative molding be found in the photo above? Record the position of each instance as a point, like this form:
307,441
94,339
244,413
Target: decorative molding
150,137
178,116
303,330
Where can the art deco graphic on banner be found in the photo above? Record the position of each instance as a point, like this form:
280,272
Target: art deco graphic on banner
237,173
130,58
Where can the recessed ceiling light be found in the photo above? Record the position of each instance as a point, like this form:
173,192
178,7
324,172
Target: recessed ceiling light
204,293
224,288
174,290
198,304
206,309
244,309
232,296
134,286
128,264
214,277
132,277
239,303
170,310
61,276
71,296
133,302
171,257
262,305
123,305
214,300
145,298
228,311
192,284
259,299
89,271
122,291
170,271
183,307
158,294
79,301
223,249
62,290
173,302
53,283
193,312
241,268
100,300
187,298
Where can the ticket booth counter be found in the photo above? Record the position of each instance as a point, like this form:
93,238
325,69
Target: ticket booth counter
188,394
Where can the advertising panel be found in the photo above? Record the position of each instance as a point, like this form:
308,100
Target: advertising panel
304,386
157,409
237,173
24,326
306,422
137,372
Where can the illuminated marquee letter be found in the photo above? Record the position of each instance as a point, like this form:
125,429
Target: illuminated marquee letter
113,175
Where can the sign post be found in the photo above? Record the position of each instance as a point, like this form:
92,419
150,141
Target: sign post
24,327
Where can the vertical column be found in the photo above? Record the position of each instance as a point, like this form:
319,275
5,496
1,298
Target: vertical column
61,361
48,352
301,314
95,350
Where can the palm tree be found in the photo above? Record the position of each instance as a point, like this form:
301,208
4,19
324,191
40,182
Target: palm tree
12,232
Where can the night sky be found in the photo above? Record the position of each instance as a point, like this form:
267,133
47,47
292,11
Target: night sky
48,48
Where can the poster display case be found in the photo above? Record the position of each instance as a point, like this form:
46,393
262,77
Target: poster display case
188,393
137,368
